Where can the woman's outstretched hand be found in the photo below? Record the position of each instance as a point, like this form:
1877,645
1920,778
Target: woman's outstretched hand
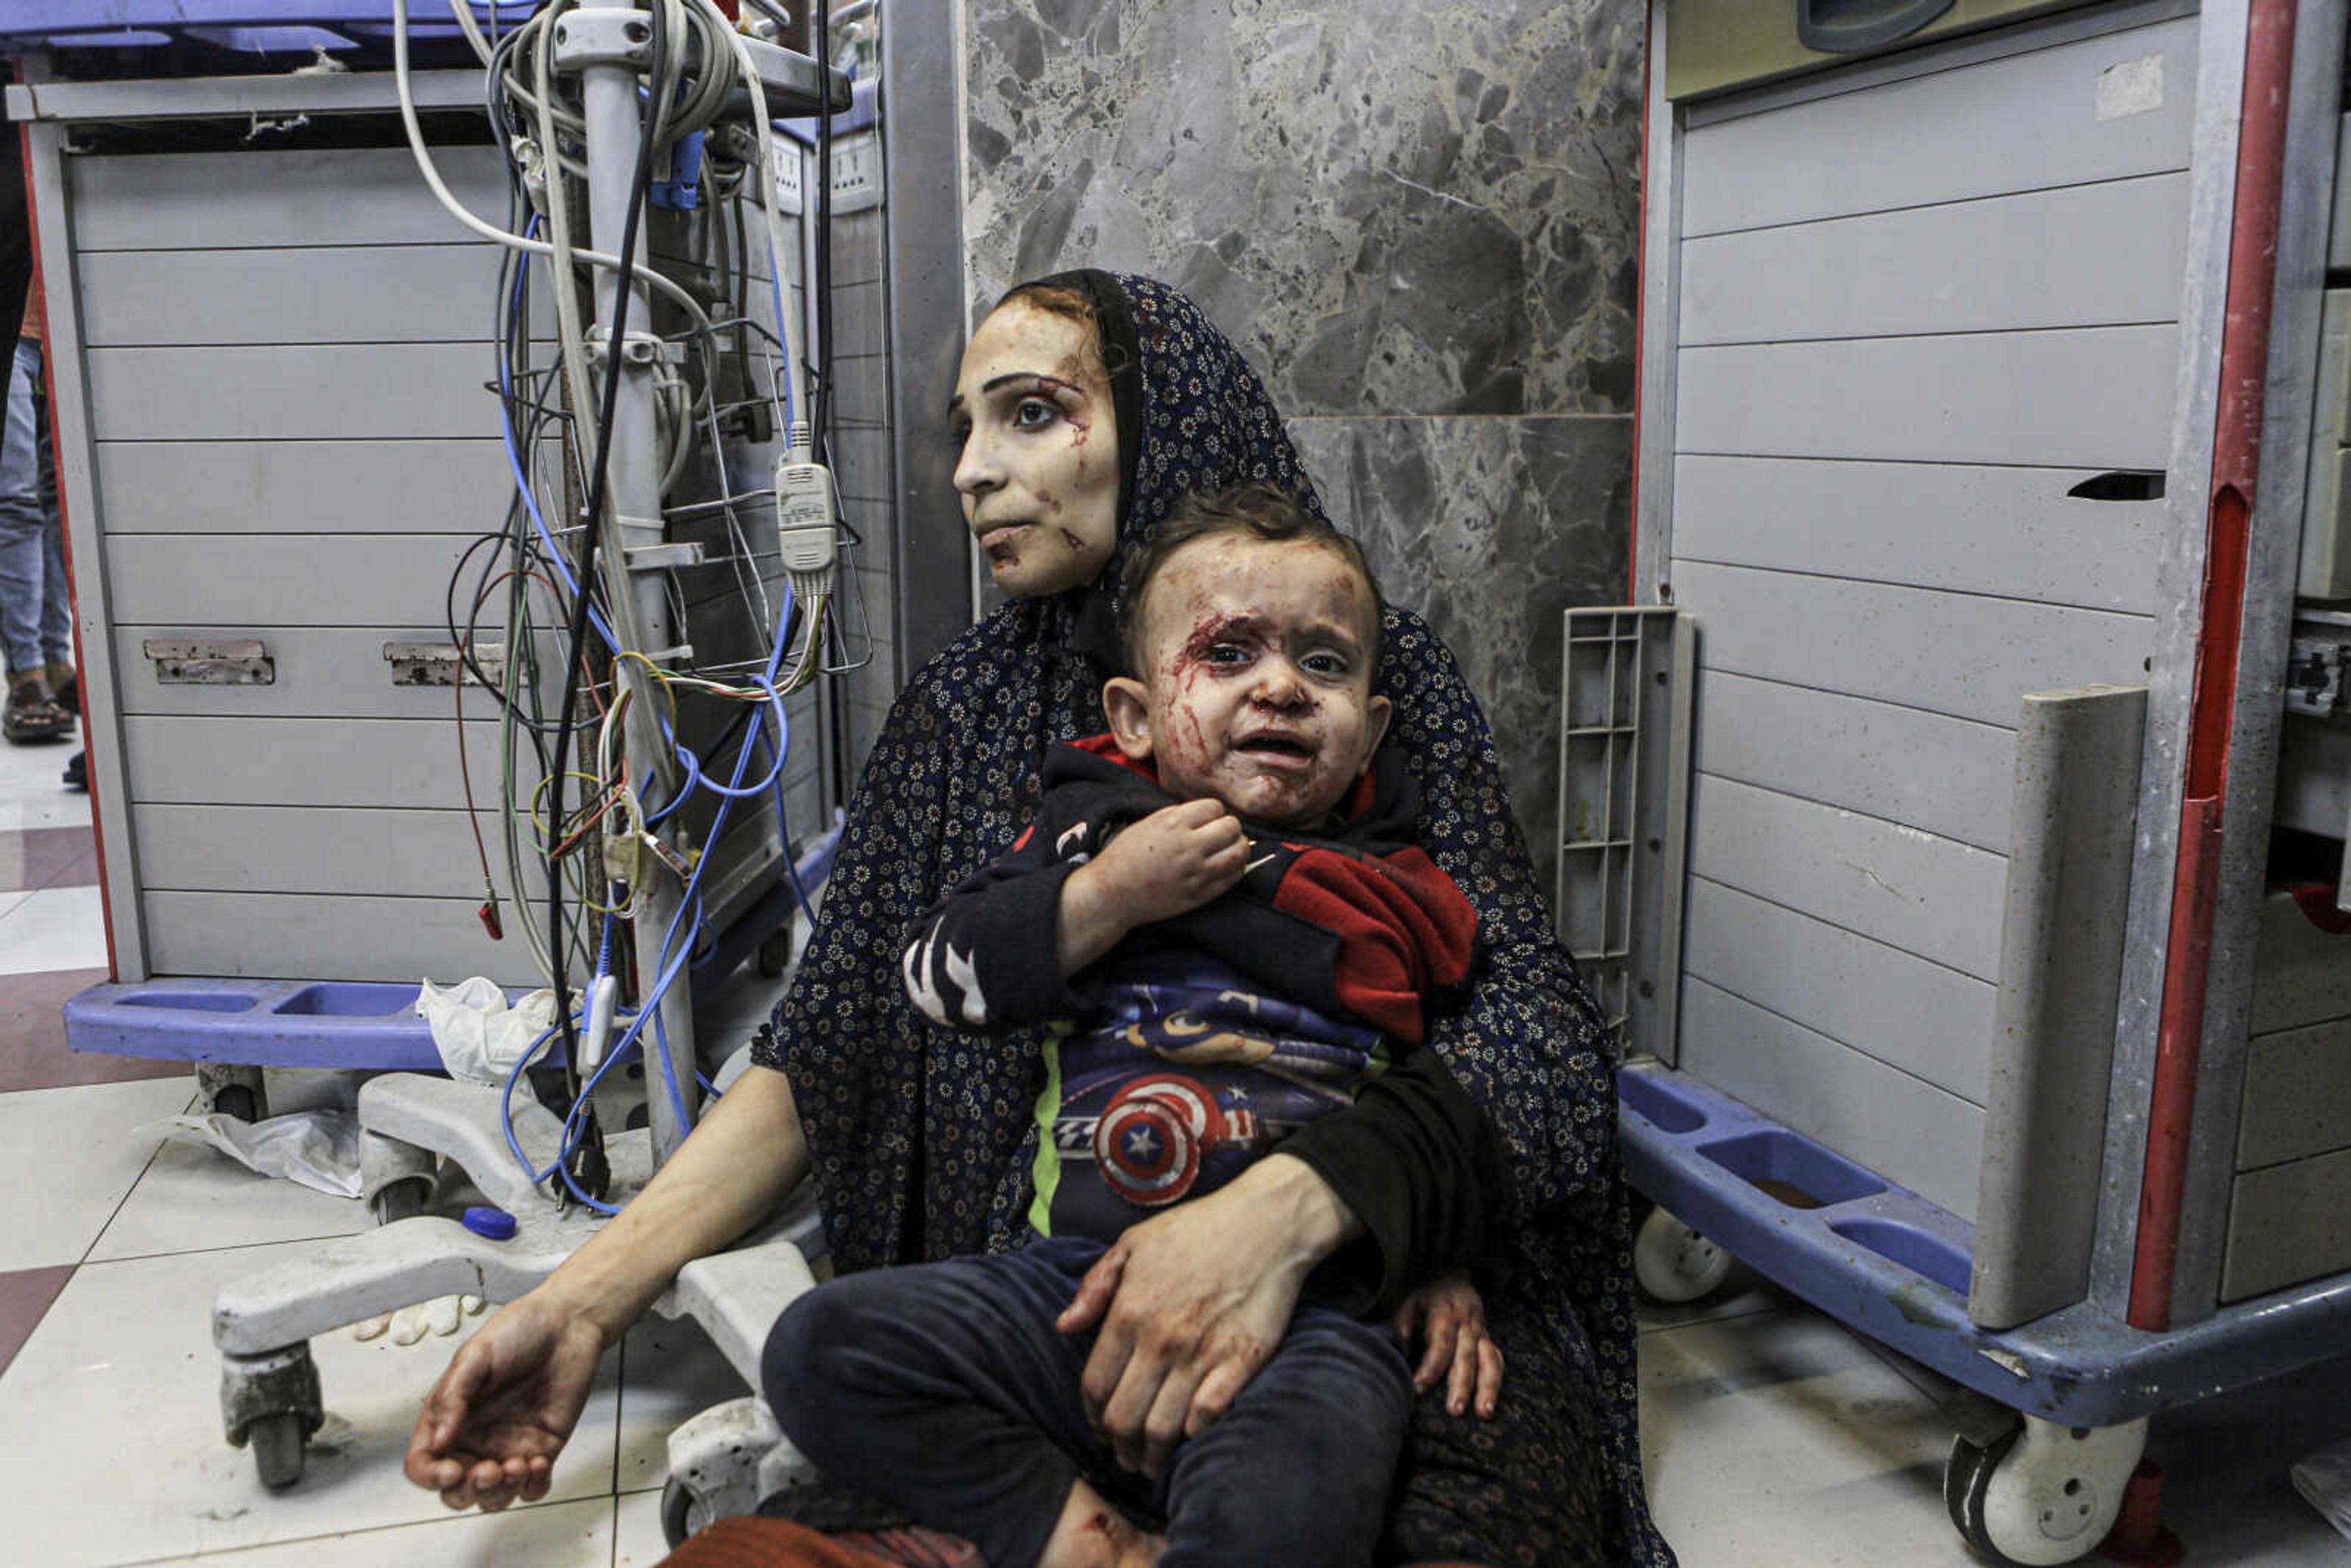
1191,1303
492,1425
1451,1315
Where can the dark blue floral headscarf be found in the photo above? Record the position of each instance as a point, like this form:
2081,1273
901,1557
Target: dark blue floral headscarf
922,1137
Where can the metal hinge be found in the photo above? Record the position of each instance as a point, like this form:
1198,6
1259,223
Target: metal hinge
437,664
187,661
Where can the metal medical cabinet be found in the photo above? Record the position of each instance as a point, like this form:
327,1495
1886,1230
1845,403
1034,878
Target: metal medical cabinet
273,367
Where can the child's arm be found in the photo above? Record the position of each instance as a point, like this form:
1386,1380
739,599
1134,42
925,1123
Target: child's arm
1451,1315
1169,863
999,952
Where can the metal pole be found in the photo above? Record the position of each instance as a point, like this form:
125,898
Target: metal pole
615,125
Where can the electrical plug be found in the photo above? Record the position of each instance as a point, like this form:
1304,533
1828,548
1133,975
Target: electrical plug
807,533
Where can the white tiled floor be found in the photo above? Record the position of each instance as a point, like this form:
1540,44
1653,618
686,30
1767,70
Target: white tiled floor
1772,1436
29,792
53,928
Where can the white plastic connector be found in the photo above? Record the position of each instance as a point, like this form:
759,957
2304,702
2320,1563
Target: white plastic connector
805,526
603,996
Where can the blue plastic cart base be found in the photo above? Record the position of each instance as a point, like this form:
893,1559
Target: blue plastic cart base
1887,1263
257,1023
218,30
357,1023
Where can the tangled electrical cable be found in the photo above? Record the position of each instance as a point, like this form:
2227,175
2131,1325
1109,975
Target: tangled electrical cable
598,829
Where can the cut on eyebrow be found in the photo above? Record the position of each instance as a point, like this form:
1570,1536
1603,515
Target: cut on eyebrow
1042,378
1249,624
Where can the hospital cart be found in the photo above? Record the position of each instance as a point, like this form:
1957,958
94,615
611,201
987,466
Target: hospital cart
1954,816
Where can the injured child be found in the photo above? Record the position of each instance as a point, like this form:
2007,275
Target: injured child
1221,918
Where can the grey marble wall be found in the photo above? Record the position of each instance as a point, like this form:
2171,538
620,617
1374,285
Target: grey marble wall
1420,220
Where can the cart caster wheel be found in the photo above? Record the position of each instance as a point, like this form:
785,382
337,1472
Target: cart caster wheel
277,1444
677,1512
776,952
1673,1263
403,1199
2039,1493
234,1092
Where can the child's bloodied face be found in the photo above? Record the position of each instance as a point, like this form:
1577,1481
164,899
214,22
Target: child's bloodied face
1038,469
1259,686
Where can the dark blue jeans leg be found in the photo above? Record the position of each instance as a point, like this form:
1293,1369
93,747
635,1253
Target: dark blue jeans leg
1299,1470
33,614
944,1388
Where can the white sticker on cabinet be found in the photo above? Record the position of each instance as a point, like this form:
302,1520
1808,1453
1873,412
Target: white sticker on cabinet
2133,87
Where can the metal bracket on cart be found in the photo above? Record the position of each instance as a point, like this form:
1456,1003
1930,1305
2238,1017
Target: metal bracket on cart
261,1324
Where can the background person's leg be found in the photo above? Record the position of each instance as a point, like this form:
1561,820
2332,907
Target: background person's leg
57,603
25,548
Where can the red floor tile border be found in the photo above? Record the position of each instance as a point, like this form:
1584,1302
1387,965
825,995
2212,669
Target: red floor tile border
47,857
25,1295
33,1052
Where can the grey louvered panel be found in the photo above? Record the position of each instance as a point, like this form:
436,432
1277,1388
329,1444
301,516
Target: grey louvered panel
314,937
317,294
286,579
2086,256
1950,777
1934,897
246,200
2302,974
2297,1098
2091,397
1929,1021
320,850
1899,1126
309,391
1962,654
2025,122
2288,1223
358,486
311,762
2014,532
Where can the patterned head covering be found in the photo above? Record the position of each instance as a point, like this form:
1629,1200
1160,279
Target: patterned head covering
922,1138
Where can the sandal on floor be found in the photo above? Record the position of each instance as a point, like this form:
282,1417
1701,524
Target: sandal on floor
33,714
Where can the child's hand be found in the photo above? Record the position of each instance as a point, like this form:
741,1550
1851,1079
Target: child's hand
1452,1315
1172,861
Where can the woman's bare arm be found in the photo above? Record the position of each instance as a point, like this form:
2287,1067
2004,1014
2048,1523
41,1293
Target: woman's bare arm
492,1426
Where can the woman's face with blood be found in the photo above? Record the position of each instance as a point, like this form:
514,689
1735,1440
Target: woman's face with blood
1039,472
1258,688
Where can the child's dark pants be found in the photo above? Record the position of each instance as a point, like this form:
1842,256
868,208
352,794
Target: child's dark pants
946,1389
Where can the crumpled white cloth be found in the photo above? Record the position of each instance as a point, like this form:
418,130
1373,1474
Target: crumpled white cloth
479,1037
320,1149
2323,1479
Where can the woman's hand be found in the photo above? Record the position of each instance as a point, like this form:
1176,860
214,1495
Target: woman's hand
492,1425
1451,1315
1192,1302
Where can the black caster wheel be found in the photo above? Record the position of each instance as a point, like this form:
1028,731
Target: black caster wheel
405,1199
677,1510
276,1443
1967,1474
776,952
2040,1494
233,1090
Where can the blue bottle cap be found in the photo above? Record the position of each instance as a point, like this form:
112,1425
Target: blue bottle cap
495,1223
